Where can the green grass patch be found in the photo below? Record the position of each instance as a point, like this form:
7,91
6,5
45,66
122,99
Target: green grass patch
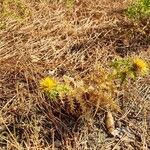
139,9
14,10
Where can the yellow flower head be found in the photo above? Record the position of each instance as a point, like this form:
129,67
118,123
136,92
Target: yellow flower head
140,65
48,83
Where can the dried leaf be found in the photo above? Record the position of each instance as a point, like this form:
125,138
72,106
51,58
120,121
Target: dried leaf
109,122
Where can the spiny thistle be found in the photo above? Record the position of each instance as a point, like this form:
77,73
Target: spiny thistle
131,67
75,94
52,88
95,90
92,92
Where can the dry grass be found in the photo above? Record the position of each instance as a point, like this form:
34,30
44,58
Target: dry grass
70,41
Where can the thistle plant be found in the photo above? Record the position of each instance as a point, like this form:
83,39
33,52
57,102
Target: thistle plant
129,67
52,88
81,95
96,90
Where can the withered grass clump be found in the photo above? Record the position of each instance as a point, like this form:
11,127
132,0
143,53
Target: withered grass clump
51,38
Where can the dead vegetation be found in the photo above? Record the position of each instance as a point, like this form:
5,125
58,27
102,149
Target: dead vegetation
69,40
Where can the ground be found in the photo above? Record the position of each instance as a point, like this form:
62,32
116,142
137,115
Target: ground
52,37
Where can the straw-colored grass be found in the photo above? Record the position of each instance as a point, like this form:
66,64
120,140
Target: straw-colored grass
43,37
